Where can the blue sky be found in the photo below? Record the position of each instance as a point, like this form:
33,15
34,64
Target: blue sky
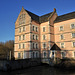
10,9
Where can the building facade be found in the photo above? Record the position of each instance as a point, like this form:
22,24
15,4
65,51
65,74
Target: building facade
45,35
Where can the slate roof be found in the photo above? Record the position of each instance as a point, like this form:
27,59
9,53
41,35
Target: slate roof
33,16
55,47
44,18
65,17
39,19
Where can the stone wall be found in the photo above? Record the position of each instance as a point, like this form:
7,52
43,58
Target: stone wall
7,65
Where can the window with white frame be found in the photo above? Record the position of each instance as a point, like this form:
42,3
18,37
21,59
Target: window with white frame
36,37
23,37
73,35
44,45
33,37
36,46
44,37
19,46
19,30
72,26
22,19
36,29
23,46
73,43
20,38
62,36
62,45
61,28
43,29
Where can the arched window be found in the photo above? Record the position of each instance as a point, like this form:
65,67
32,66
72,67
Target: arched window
36,37
36,46
33,37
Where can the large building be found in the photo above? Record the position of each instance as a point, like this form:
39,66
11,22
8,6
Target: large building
46,35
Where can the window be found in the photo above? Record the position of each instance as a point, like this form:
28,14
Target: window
36,37
44,45
62,37
23,37
72,26
36,46
23,28
43,29
44,37
19,38
23,46
36,54
62,45
33,37
33,54
19,30
63,54
61,28
19,55
19,46
36,29
33,28
73,35
44,54
33,46
22,19
73,44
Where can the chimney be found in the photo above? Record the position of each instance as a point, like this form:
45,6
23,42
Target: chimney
54,10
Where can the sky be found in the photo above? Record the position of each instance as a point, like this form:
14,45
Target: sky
10,9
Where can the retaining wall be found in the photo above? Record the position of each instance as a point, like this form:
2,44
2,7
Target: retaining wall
7,65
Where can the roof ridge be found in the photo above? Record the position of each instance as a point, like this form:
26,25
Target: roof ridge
45,14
